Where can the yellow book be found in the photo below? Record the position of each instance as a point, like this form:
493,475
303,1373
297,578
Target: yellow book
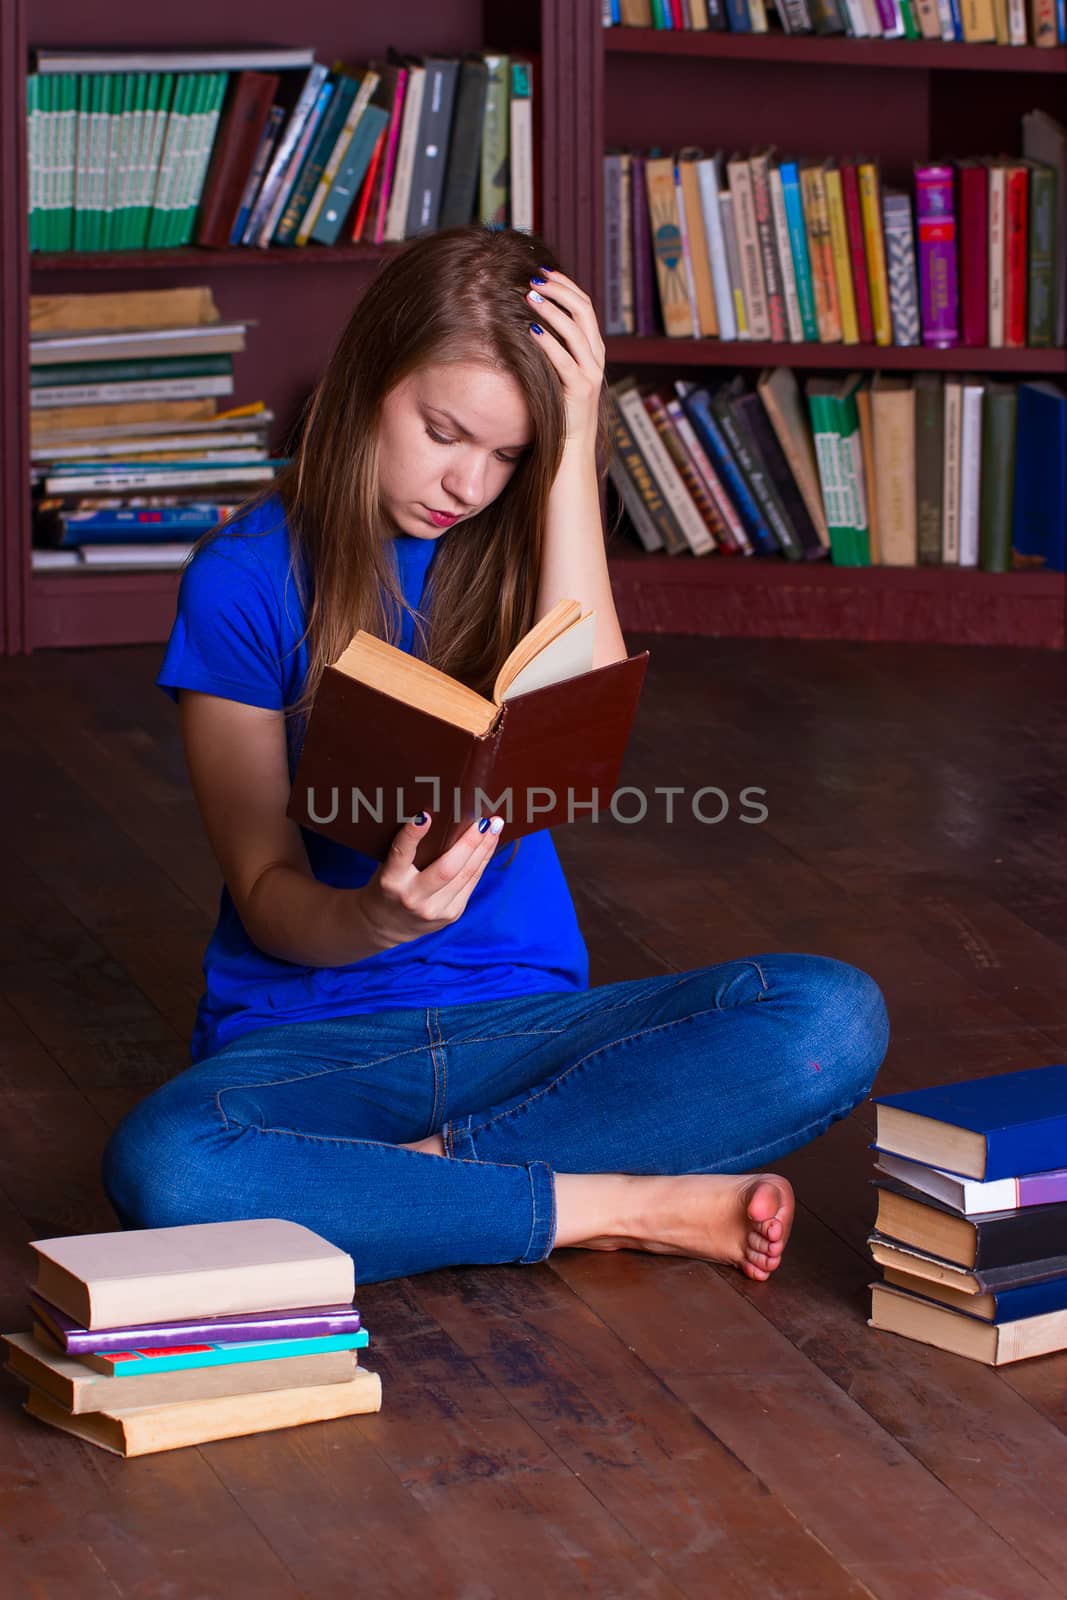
835,206
817,226
367,85
874,245
698,242
667,248
977,21
135,308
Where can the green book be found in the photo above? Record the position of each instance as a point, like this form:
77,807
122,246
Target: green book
999,410
1042,252
215,94
119,91
929,465
161,91
185,158
907,16
496,136
836,425
34,117
139,371
170,158
322,145
350,174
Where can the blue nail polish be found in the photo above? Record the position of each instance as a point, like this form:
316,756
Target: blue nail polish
545,270
537,280
483,825
420,819
535,327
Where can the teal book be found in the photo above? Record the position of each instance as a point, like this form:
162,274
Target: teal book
345,187
798,244
130,1363
132,371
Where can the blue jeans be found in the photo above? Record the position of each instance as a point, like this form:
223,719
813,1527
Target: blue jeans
721,1069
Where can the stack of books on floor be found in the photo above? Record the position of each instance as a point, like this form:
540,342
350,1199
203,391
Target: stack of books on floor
971,1230
156,1338
131,458
918,470
767,248
149,150
1010,22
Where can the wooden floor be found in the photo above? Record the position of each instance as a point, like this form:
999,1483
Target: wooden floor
620,1425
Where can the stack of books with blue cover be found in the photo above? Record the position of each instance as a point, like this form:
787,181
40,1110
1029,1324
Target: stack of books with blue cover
156,1338
971,1230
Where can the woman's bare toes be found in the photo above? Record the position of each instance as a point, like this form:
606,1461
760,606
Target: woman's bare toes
769,1206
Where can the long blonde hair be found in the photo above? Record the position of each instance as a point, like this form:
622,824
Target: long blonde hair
456,295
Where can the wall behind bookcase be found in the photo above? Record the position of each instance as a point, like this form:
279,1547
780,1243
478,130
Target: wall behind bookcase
300,308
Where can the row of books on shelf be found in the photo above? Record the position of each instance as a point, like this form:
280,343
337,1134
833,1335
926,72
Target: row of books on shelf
1011,22
157,1338
149,151
761,248
131,459
884,471
971,1225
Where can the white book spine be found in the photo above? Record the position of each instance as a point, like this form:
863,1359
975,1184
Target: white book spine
404,171
668,479
785,256
970,472
520,192
708,178
92,394
948,27
874,21
1017,22
856,20
950,535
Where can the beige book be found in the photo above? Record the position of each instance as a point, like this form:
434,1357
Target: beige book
72,1384
404,172
948,1329
753,285
141,308
930,1268
64,419
699,260
558,647
780,394
928,19
863,411
950,521
893,412
976,18
206,1269
148,1429
667,248
1001,22
820,250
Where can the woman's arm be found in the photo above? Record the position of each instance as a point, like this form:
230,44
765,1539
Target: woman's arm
236,755
574,561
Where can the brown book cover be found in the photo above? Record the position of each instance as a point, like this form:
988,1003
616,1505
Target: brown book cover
371,760
243,121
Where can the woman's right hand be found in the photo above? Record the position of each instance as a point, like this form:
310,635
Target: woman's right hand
402,902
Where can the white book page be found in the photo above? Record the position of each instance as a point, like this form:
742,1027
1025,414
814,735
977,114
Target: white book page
569,654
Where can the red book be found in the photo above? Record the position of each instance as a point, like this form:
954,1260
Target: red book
367,186
1017,222
857,251
676,14
974,253
386,168
234,150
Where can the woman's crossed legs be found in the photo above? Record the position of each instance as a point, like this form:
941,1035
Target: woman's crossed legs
607,1118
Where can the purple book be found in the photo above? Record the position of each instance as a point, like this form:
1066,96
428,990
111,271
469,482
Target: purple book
641,239
247,1328
938,281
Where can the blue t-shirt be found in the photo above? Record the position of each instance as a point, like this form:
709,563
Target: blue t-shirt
236,635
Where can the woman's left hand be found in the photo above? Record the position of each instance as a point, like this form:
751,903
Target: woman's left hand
573,343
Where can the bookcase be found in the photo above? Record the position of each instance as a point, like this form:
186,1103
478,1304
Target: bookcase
897,101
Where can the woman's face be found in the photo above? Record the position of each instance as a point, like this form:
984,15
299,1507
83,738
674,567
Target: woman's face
450,437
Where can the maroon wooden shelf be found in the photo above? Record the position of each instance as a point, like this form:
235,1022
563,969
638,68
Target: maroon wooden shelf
917,54
200,260
626,349
101,608
735,597
715,596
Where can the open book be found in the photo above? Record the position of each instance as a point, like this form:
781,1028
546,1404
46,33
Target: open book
390,736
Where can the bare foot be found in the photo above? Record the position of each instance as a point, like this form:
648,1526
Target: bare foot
743,1221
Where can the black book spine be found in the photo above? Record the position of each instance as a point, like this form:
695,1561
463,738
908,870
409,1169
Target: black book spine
1004,1238
759,426
744,446
465,146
